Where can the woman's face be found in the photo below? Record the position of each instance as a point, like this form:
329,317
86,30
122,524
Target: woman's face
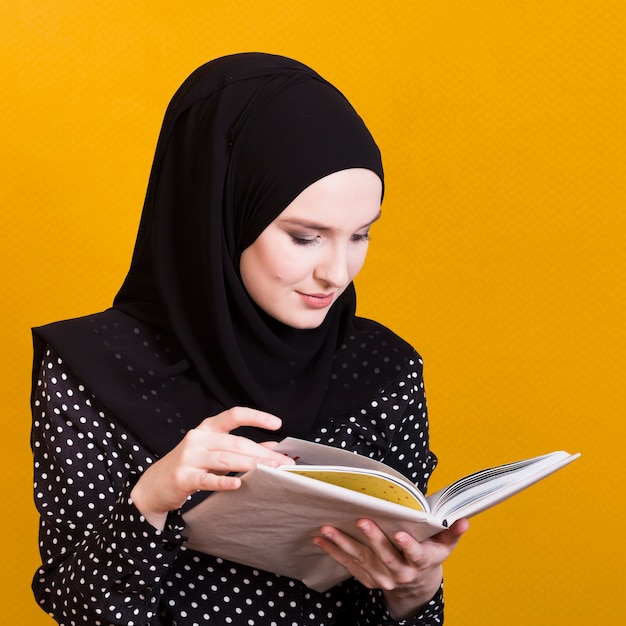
304,260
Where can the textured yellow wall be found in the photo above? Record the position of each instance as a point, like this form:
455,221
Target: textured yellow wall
500,255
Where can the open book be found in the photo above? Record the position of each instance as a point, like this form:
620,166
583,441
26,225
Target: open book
269,522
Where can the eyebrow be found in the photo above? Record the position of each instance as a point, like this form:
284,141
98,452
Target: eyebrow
321,227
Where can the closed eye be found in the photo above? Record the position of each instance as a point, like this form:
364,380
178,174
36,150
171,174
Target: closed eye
304,241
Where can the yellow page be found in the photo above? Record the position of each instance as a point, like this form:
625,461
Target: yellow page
372,485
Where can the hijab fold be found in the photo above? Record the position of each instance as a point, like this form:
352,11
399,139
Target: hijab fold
242,137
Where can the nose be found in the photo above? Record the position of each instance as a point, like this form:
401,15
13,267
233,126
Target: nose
333,267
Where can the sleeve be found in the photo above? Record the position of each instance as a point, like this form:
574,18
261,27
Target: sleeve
396,431
371,610
102,562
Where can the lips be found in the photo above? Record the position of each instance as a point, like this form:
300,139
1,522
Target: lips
317,300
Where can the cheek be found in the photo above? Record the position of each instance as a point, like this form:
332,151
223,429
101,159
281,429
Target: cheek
291,264
277,263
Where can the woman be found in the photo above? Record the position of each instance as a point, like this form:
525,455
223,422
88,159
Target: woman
235,325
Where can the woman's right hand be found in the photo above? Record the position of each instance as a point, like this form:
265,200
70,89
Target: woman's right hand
201,460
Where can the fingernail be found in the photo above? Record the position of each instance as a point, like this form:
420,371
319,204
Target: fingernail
318,544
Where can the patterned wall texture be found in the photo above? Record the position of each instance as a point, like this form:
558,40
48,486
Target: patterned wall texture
500,256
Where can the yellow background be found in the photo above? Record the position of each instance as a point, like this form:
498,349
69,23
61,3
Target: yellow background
500,255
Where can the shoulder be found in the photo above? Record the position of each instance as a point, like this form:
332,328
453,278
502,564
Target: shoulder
70,335
85,327
106,335
73,335
102,349
382,341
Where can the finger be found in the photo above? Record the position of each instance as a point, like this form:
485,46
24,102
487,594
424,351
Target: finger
355,550
451,535
435,549
412,549
397,560
259,452
376,539
241,416
460,527
225,461
344,542
220,451
211,482
354,562
269,444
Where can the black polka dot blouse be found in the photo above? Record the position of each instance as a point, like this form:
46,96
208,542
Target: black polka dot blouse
103,563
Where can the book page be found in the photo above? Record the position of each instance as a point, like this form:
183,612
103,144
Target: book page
370,482
481,490
309,453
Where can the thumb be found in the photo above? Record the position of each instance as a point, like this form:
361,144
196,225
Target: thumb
451,535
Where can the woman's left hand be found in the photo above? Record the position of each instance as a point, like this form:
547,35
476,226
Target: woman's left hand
408,572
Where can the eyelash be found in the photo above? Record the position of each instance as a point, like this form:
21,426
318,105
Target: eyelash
301,241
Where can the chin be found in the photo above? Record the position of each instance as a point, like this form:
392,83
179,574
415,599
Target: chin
304,325
304,322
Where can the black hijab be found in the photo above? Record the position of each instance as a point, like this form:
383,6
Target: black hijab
242,137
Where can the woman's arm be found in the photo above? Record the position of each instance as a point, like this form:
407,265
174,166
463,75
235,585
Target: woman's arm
110,527
102,562
201,461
